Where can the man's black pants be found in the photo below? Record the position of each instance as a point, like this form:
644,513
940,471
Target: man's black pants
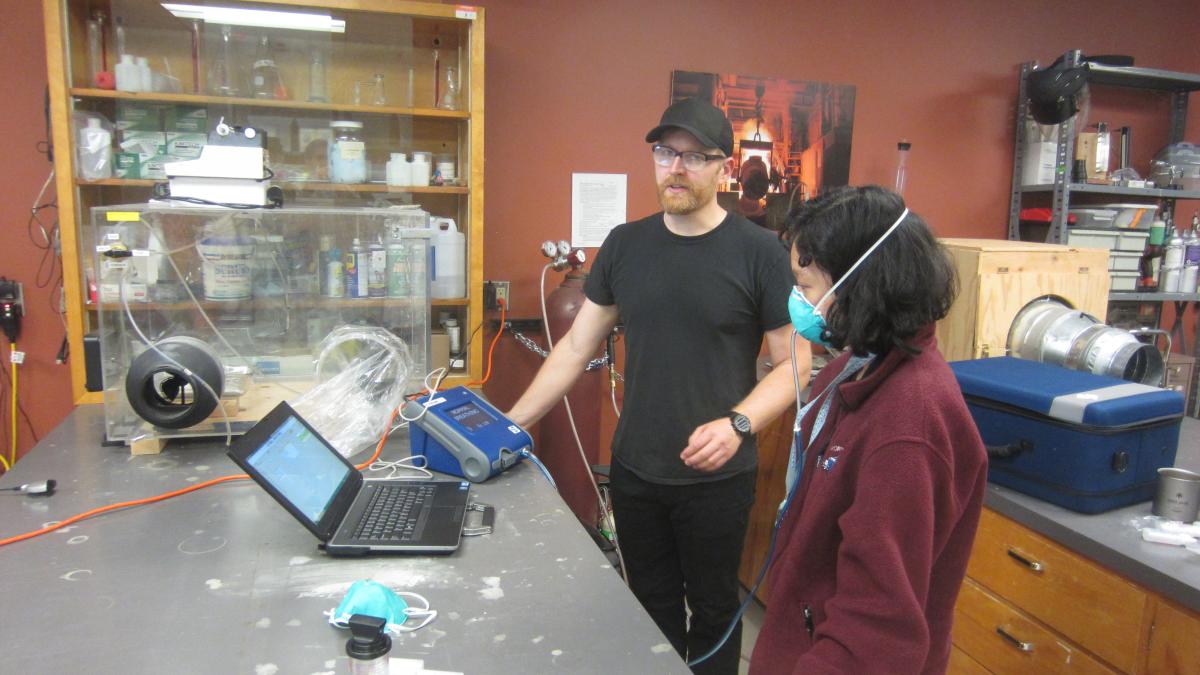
685,541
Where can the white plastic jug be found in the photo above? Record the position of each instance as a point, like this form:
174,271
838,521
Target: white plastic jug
448,274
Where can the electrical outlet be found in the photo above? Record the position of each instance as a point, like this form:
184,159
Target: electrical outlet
495,292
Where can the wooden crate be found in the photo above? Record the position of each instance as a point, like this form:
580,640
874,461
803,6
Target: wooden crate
998,277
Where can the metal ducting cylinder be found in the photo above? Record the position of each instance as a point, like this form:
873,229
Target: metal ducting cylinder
1050,331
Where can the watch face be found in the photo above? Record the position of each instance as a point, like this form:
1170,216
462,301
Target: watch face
740,422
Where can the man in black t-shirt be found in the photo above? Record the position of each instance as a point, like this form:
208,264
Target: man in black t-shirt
697,289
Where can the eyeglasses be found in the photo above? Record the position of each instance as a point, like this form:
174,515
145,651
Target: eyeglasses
692,161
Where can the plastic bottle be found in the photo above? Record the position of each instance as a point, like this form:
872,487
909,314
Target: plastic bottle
1191,259
376,270
264,75
129,78
356,272
95,151
1158,232
397,268
369,646
418,258
268,266
399,171
147,75
454,333
902,149
1173,253
420,169
449,272
323,264
334,274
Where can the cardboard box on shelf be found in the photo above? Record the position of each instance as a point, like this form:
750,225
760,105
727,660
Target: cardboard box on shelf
1039,164
142,116
1093,147
185,145
439,350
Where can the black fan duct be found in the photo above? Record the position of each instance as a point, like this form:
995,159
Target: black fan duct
166,384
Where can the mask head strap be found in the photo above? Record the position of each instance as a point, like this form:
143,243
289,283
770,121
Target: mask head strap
816,307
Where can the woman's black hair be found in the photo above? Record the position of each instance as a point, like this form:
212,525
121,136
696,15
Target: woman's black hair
907,283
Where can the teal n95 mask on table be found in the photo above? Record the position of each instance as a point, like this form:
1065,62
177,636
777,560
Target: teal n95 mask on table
806,317
374,599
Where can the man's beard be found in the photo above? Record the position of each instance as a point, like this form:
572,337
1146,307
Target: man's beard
682,204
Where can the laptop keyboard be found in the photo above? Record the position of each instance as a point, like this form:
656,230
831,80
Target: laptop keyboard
396,513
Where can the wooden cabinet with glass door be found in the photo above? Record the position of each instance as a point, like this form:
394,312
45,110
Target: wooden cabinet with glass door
156,77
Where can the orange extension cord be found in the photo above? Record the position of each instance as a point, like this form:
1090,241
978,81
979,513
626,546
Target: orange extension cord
150,500
241,476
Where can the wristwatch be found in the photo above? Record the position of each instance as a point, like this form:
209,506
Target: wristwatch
741,424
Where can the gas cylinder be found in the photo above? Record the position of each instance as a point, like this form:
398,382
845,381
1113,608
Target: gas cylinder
557,444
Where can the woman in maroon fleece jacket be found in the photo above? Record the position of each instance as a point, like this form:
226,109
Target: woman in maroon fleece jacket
875,534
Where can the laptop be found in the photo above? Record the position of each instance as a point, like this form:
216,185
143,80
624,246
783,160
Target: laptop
350,515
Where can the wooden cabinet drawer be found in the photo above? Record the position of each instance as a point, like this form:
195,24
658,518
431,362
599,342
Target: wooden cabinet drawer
961,664
1003,639
1174,642
1093,607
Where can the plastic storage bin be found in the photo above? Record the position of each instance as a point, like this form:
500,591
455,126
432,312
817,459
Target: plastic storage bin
1093,216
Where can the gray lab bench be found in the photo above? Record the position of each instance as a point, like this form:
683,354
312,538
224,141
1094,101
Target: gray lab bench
223,580
1109,539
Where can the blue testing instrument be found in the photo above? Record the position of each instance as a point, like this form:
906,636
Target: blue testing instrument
461,434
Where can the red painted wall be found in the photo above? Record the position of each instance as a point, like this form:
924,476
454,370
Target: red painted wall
574,86
44,387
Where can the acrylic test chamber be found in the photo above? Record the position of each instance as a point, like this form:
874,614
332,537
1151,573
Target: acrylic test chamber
245,288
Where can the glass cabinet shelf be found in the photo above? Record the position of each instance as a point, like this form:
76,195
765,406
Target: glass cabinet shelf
162,97
301,185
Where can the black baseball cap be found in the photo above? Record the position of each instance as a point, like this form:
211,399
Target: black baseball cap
699,118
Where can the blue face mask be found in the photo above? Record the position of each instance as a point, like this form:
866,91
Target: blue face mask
806,318
374,599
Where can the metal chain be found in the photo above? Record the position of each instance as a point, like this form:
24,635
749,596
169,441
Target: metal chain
532,346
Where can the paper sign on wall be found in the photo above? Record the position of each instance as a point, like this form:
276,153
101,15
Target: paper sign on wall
597,206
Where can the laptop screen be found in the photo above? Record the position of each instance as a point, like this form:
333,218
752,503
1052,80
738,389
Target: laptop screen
301,467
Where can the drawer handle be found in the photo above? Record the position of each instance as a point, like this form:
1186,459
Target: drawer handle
1024,559
1019,644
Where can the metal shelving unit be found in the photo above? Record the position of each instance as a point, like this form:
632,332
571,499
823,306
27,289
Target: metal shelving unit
1178,85
1146,306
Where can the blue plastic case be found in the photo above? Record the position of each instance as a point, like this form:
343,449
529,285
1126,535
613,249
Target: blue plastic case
1088,443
